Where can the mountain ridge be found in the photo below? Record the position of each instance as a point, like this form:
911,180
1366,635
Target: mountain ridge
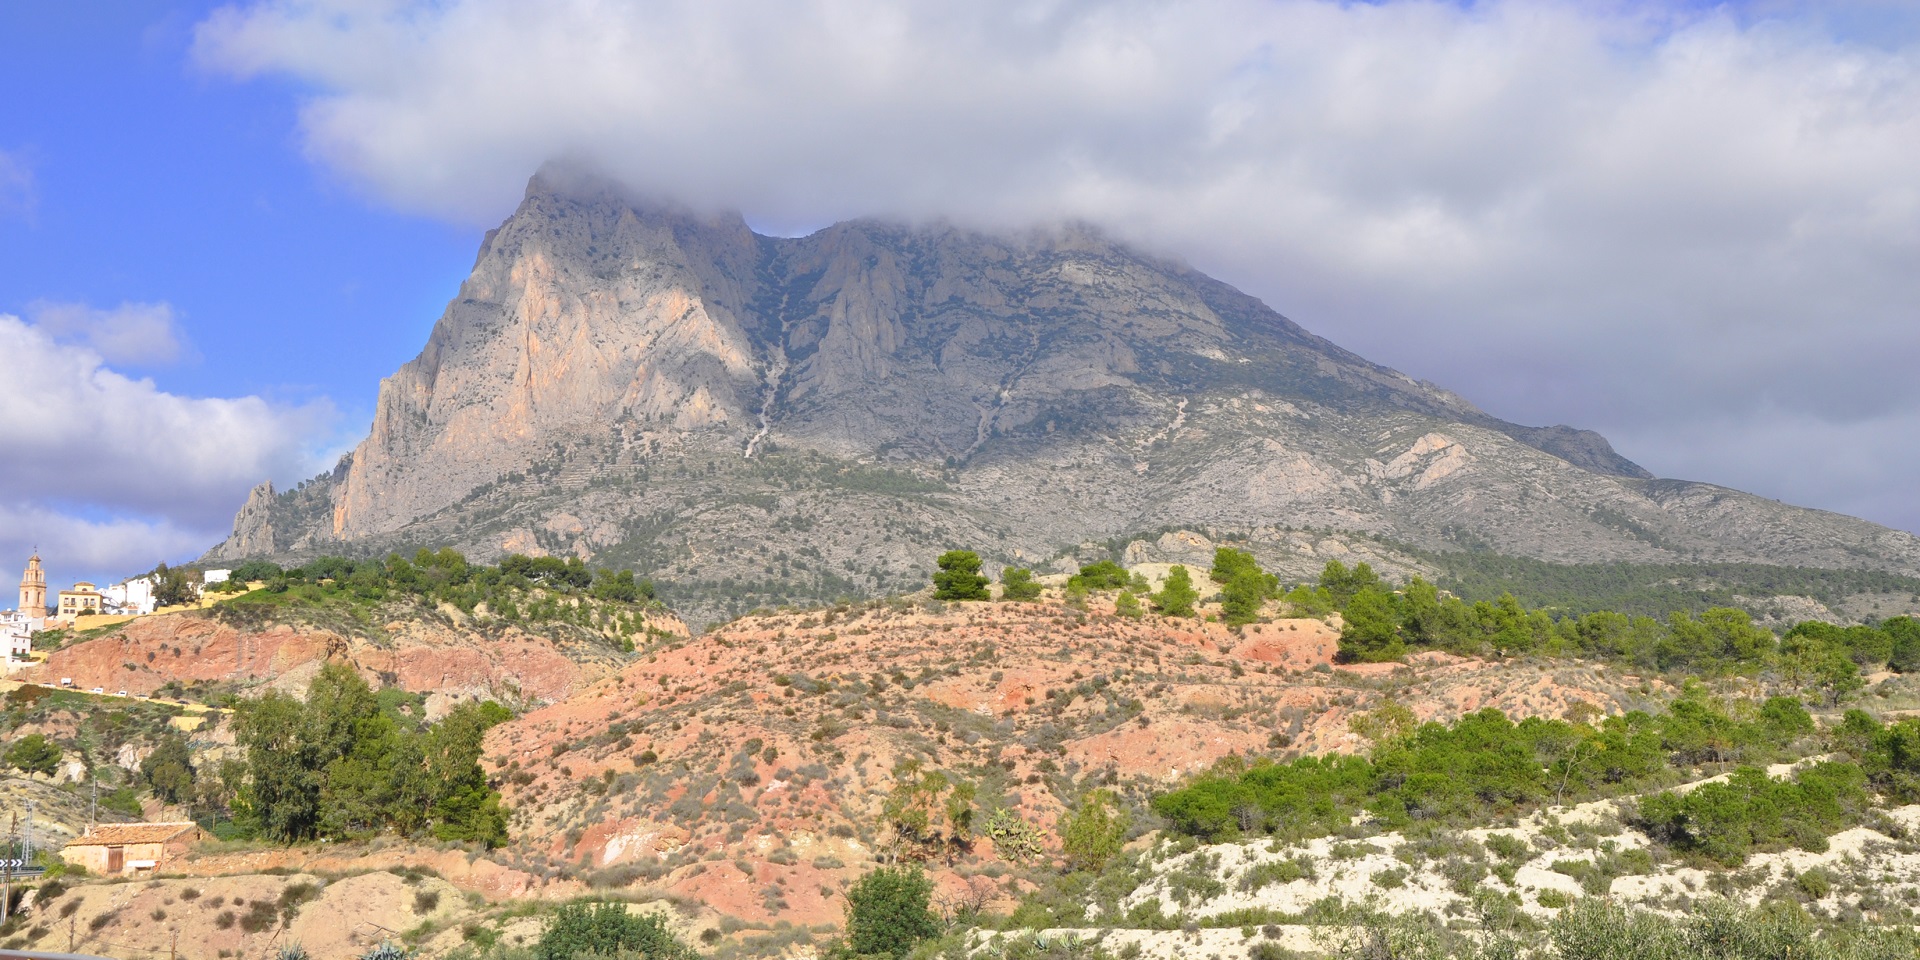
642,385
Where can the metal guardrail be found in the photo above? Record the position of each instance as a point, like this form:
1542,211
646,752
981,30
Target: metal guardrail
30,955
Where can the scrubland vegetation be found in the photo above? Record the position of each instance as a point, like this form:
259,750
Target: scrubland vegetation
1704,786
518,590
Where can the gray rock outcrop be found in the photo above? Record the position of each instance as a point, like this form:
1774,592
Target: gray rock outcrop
756,419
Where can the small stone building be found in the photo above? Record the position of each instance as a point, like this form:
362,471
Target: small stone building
129,849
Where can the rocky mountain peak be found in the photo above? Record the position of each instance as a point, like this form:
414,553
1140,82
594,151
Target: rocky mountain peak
642,384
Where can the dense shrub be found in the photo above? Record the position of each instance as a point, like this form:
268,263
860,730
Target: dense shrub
888,911
1094,832
607,929
1017,583
440,576
1105,575
1381,623
1483,764
1751,811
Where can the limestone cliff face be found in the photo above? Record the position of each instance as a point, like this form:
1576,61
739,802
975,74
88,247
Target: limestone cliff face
253,526
582,315
753,419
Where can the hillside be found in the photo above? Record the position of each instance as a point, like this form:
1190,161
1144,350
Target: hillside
753,420
741,780
266,640
771,743
741,773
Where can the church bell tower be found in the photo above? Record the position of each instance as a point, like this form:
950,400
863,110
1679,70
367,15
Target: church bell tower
33,590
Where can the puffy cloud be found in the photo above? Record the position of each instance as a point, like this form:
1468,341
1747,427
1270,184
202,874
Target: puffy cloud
111,474
131,334
1693,230
81,548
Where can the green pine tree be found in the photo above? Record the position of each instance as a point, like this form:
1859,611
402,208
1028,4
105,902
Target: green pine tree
1177,596
1017,583
959,577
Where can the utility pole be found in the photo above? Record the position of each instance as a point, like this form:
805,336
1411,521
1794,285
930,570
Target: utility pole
28,854
93,811
6,868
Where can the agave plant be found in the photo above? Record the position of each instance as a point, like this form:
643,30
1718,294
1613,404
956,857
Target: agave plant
292,951
387,950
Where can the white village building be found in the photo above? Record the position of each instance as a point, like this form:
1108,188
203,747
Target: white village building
131,596
16,635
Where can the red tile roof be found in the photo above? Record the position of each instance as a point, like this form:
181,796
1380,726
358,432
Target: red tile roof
121,834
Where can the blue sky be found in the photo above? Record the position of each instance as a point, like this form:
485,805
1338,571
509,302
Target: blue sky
153,180
1690,226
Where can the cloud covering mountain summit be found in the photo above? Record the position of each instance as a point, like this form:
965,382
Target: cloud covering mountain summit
1660,222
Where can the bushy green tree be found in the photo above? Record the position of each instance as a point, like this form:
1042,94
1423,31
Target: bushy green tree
1720,635
341,764
1229,563
1245,586
1094,832
1869,647
959,577
1890,755
1244,595
1104,575
1342,584
1127,605
888,911
168,770
1371,626
621,586
173,586
1308,601
281,795
255,571
599,929
1017,583
464,806
912,806
1177,595
1903,636
34,754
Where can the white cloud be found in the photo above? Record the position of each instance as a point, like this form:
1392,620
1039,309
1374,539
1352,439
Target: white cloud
78,548
131,334
102,467
1685,229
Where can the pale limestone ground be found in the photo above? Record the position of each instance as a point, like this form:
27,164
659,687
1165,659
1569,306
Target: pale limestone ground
1226,944
1859,858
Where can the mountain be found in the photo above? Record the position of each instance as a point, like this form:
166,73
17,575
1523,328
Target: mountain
754,420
